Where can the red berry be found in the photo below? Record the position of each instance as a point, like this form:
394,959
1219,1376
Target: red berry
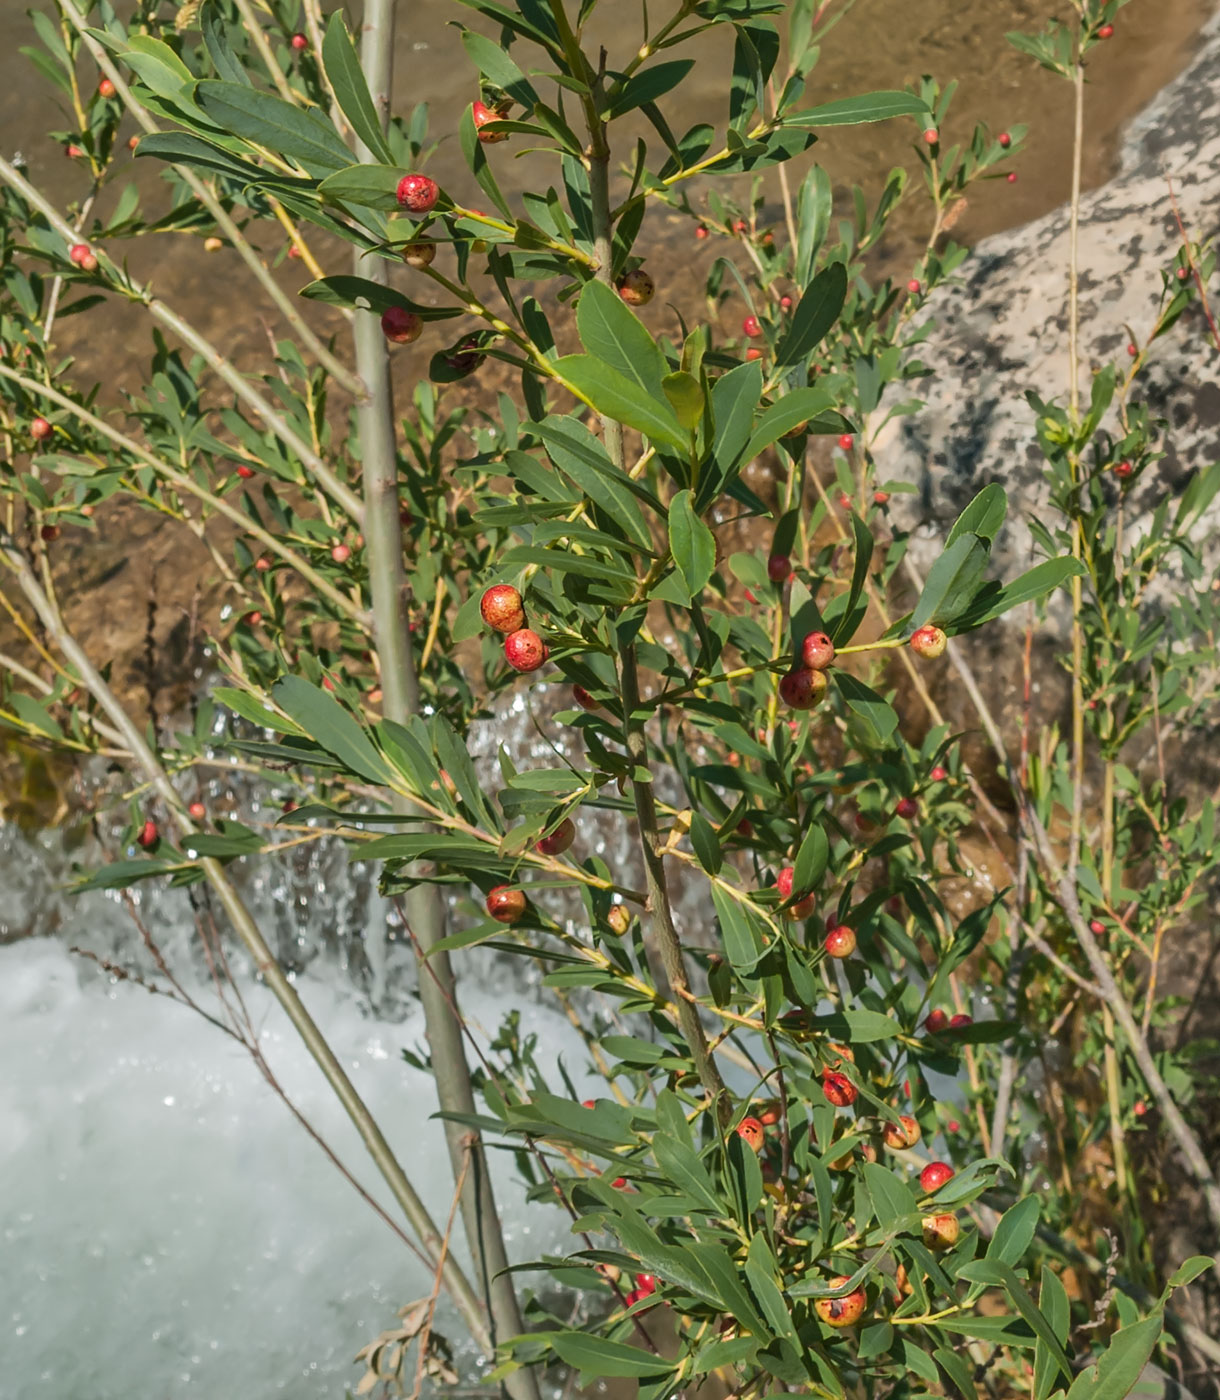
938,774
341,553
525,650
559,840
253,618
148,836
915,286
740,226
845,500
618,919
105,88
417,194
1123,470
1005,140
262,563
299,42
506,905
934,1176
245,472
502,608
420,253
936,1021
482,114
1139,1108
940,1232
953,1126
1106,31
880,497
636,287
785,303
1096,927
400,325
40,429
584,699
73,152
701,232
931,136
929,642
960,1021
839,1090
588,1103
779,566
750,326
817,651
198,811
50,533
841,1312
1132,349
846,442
906,807
1183,273
754,353
645,1284
619,1183
903,1134
750,1131
1011,177
132,142
802,689
840,941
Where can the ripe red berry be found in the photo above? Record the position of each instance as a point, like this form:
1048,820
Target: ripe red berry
880,497
750,1131
938,774
934,1176
1123,470
40,429
740,226
645,1284
341,553
149,836
928,642
785,303
846,441
802,689
417,194
841,1312
940,1232
73,152
198,811
953,1126
1106,31
482,114
636,287
906,807
420,253
802,908
584,699
400,325
105,88
817,651
1132,349
915,286
253,618
50,533
525,650
1005,139
506,905
751,327
84,257
844,500
701,232
1139,1108
840,941
1183,273
1011,177
931,136
839,1090
1096,927
936,1021
245,472
299,42
779,566
960,1021
903,1134
559,840
502,608
753,353
132,142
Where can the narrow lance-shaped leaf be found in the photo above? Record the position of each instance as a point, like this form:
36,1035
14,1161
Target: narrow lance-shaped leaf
351,90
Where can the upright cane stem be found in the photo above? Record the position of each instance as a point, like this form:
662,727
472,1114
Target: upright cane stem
400,690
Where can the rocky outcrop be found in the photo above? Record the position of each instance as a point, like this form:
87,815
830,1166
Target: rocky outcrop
1003,329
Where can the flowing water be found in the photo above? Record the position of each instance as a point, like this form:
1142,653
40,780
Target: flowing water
166,1229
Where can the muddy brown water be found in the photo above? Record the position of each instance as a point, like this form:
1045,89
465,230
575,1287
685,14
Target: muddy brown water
135,579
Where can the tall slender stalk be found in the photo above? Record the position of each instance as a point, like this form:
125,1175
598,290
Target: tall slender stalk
664,930
413,1208
400,691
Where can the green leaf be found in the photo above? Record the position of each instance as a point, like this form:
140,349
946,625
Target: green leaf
609,329
368,186
579,455
682,1166
706,846
995,1273
984,516
648,85
859,577
851,111
892,1199
597,1356
794,410
685,395
494,63
322,717
224,60
1015,1231
621,398
762,1273
351,90
183,148
267,121
241,702
1053,1300
743,941
691,543
1035,583
876,716
811,860
1189,1271
952,582
816,312
1119,1367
